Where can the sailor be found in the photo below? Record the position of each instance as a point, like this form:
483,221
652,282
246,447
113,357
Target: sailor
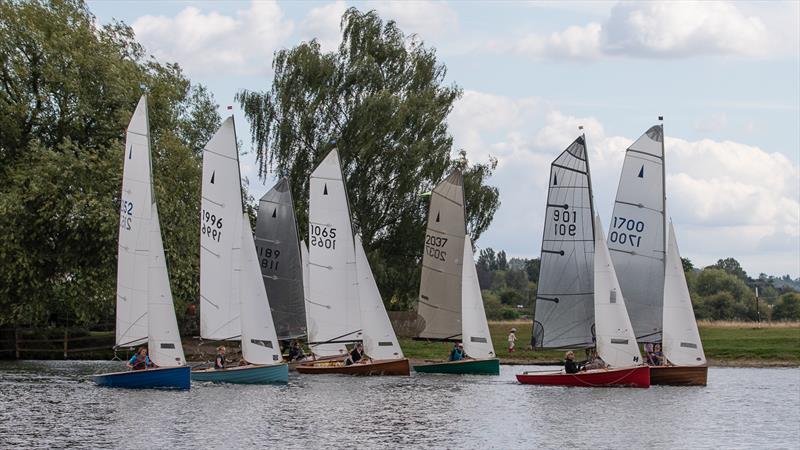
457,353
140,360
219,360
657,355
593,361
512,337
570,366
356,355
296,351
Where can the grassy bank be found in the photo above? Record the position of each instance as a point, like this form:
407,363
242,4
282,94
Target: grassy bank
725,343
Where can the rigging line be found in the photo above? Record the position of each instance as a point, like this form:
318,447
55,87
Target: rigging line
639,205
139,134
449,199
134,324
331,340
132,343
209,250
632,253
318,177
318,304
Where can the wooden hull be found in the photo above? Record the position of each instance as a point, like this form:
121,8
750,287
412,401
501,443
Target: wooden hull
465,366
159,378
379,367
679,375
250,374
624,377
293,365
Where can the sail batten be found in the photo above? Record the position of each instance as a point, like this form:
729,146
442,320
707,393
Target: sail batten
636,237
278,251
564,313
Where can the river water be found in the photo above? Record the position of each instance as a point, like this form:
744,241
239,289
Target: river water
55,404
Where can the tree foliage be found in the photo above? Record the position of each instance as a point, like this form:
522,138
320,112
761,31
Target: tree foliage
382,101
67,91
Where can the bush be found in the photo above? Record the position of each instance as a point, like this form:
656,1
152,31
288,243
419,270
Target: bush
787,307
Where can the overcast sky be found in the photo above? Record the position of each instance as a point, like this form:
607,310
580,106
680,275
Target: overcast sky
725,75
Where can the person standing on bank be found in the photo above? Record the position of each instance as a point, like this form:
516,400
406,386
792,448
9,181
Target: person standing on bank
512,338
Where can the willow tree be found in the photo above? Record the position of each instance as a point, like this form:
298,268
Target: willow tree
382,100
67,90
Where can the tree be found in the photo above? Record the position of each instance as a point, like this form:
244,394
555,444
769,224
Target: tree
787,307
517,279
67,90
487,259
502,262
688,266
381,100
733,267
532,267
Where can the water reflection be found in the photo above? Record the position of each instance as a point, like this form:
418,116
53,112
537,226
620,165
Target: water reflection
49,404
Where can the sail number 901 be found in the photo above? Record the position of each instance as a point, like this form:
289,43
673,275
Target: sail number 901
628,233
323,237
433,247
567,222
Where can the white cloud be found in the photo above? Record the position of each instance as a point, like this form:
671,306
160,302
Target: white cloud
725,198
323,23
423,17
713,123
667,30
210,43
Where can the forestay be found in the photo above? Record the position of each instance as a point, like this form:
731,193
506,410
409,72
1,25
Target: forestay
616,343
380,341
220,236
333,306
259,340
475,330
682,345
279,257
442,263
636,237
134,232
164,341
565,295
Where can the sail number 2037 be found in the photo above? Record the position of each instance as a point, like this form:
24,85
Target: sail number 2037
323,237
626,231
433,247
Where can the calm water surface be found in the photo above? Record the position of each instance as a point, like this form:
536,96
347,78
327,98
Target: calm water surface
55,404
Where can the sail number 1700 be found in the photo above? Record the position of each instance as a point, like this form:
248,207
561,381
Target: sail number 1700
626,231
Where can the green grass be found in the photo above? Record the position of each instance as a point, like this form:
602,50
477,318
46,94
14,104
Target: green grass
727,343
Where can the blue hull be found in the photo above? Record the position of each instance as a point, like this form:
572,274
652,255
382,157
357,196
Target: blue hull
278,373
160,378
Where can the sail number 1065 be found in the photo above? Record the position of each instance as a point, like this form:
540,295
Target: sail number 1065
323,237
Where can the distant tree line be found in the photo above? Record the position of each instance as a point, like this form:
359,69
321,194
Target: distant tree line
722,291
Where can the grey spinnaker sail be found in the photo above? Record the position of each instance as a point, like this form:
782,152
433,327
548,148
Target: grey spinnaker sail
442,261
278,249
565,295
636,236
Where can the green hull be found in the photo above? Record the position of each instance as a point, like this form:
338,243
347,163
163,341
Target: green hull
469,366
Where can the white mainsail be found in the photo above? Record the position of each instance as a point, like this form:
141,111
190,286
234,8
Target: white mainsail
134,232
306,284
440,281
333,305
565,294
682,345
636,237
164,340
220,236
259,339
475,330
380,341
616,343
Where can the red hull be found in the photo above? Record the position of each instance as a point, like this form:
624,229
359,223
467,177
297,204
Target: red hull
624,377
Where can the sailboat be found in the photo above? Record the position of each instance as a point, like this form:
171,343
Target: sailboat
278,250
649,265
234,302
450,302
343,303
145,310
579,303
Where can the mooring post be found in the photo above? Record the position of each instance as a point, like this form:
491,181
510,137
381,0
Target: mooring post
66,339
16,342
